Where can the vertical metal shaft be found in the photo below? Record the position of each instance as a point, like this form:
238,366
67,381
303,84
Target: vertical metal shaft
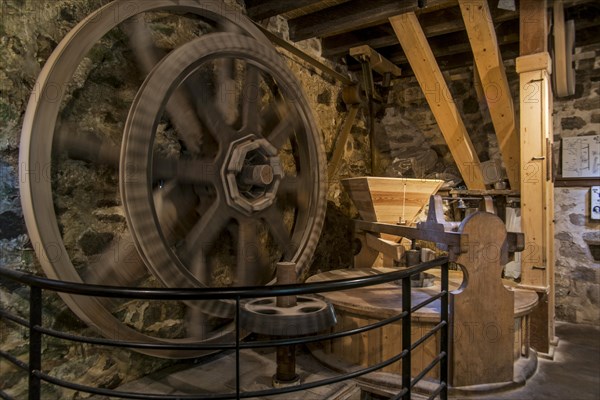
237,347
286,275
286,355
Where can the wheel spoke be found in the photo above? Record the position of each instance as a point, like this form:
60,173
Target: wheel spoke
274,219
188,171
251,257
281,124
214,121
118,265
89,147
202,236
225,90
251,100
179,107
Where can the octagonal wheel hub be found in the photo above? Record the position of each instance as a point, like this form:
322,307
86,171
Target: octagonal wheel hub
251,174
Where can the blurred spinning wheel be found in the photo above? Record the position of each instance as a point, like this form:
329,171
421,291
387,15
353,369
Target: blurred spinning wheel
221,169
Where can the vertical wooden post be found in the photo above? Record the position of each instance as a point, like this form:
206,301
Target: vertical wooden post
537,190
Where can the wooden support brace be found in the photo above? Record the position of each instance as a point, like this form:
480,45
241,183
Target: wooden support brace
390,249
340,144
423,63
482,36
377,62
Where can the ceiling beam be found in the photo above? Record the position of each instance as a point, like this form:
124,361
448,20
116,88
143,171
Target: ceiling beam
444,109
456,62
451,56
258,10
488,59
354,15
377,62
448,47
434,24
438,23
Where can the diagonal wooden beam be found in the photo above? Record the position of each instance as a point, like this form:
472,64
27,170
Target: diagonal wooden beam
423,63
482,36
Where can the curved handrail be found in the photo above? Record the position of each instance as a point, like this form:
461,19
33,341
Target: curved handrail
37,284
242,292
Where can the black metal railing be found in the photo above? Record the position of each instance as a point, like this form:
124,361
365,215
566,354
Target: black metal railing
36,331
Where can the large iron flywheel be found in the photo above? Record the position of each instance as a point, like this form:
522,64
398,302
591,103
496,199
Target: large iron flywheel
216,167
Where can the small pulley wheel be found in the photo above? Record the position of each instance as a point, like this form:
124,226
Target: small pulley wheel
309,315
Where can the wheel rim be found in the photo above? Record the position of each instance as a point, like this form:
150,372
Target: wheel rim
36,152
241,152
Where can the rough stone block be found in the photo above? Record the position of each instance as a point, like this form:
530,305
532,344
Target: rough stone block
572,123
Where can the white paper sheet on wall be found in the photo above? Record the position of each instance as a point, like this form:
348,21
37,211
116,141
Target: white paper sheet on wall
513,224
595,202
581,157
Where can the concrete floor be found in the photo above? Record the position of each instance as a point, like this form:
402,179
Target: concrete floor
573,375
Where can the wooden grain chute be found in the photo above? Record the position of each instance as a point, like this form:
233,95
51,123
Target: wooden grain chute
390,200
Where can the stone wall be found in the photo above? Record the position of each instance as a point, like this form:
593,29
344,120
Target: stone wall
577,273
89,205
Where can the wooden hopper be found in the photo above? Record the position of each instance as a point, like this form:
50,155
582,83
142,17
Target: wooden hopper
390,200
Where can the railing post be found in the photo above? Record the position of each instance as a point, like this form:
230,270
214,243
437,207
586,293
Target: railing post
444,363
35,342
406,337
237,347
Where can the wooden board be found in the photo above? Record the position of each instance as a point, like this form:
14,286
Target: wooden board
358,307
533,27
483,310
482,36
377,62
426,70
390,199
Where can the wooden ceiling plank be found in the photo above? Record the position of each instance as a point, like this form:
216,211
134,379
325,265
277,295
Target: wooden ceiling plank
434,24
533,29
488,59
430,78
269,8
441,22
586,32
355,15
